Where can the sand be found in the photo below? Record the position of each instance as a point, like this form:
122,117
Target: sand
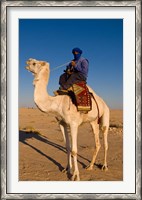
42,153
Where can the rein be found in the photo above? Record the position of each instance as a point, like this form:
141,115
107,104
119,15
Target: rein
55,68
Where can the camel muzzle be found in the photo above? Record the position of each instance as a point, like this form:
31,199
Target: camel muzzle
27,67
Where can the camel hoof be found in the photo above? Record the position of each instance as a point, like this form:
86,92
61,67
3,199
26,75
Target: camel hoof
75,178
104,168
89,167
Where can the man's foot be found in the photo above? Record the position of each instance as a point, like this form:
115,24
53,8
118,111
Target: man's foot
70,89
56,92
60,92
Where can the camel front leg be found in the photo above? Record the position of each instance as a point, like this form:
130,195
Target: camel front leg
95,128
74,131
65,133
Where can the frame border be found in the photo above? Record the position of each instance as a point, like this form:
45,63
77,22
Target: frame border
4,4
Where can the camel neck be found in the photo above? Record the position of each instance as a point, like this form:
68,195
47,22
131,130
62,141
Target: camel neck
42,99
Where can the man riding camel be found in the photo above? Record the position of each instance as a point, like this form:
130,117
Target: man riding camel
75,72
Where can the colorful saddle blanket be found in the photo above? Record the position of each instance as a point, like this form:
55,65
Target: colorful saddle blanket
82,96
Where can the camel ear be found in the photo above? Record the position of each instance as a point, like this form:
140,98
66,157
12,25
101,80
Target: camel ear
43,63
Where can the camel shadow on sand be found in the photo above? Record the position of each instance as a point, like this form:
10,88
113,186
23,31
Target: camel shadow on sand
24,136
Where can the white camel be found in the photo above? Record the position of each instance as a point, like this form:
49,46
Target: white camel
70,117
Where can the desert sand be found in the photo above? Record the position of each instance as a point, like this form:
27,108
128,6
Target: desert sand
42,153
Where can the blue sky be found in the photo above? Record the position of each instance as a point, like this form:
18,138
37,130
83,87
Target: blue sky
52,40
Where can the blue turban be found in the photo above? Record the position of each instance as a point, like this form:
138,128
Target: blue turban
77,50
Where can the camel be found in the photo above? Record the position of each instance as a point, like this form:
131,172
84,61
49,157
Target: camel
69,116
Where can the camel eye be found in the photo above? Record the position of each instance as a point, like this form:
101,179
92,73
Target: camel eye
34,64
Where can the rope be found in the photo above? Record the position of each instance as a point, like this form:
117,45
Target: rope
55,68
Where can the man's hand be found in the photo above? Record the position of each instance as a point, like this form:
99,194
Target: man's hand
73,63
69,71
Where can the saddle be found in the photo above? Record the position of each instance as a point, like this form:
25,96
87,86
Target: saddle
80,95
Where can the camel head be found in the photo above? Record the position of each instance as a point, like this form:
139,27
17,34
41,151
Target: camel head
35,66
40,69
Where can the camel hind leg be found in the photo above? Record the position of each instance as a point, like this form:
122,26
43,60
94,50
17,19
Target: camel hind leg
105,134
104,129
95,127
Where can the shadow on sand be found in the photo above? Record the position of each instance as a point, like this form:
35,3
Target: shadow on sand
24,136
